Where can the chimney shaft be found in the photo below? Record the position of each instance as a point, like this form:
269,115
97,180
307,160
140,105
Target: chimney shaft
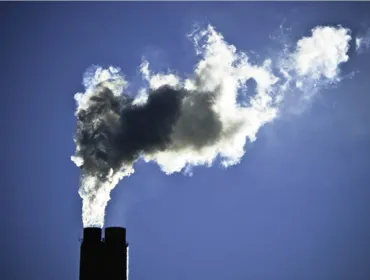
115,251
91,255
104,259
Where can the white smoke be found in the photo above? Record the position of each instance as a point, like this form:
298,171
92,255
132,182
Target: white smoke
320,55
363,42
313,64
223,71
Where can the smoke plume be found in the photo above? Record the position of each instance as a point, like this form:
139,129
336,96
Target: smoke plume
363,42
180,123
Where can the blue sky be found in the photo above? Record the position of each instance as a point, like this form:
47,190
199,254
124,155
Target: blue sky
296,207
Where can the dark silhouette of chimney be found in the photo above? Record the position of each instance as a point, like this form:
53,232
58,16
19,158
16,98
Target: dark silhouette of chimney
115,254
105,259
91,255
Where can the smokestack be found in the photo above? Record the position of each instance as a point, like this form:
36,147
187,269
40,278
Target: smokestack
115,254
104,259
91,267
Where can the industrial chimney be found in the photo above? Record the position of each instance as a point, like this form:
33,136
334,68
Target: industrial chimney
91,255
104,259
115,254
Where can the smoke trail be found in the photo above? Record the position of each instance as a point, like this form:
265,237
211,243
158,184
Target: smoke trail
183,123
363,42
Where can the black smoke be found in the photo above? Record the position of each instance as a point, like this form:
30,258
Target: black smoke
112,131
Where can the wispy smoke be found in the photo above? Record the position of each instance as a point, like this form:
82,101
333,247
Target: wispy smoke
181,123
363,42
313,65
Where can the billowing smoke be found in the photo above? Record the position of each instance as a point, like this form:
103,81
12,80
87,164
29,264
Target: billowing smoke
181,123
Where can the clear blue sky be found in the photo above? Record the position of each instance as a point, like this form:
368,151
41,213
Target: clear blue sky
297,207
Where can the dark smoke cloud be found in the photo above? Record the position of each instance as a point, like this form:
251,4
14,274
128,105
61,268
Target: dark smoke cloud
113,131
